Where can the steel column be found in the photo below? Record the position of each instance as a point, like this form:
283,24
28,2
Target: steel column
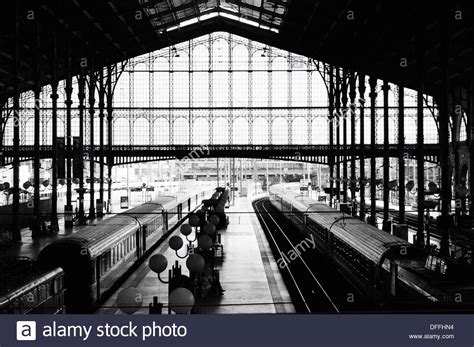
54,163
401,155
36,227
81,96
344,88
101,140
420,162
91,137
386,160
352,96
420,153
373,130
470,122
362,154
16,234
445,221
331,134
338,134
68,103
110,159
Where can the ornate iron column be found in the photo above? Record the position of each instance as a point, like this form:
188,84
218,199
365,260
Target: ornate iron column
362,152
338,134
110,158
445,221
68,209
470,121
54,163
373,130
345,111
16,234
420,153
386,160
401,155
352,96
68,103
101,142
36,228
81,96
331,134
92,81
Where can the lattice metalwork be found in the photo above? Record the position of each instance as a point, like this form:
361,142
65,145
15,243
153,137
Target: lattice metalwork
218,89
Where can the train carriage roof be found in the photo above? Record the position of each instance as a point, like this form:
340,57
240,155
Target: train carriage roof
98,237
364,238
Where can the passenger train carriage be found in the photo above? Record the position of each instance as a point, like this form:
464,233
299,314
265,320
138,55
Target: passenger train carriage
25,290
366,256
97,257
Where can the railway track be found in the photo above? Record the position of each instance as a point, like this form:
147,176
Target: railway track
314,285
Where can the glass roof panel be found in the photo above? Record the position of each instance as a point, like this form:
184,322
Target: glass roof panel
174,14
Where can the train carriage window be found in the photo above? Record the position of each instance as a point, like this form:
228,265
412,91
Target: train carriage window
107,261
102,265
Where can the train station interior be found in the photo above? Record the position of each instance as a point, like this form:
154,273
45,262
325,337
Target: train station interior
236,156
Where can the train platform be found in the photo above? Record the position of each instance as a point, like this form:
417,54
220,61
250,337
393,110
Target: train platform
29,247
248,273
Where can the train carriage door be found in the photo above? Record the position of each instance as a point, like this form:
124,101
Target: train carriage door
180,211
98,275
137,243
144,235
165,221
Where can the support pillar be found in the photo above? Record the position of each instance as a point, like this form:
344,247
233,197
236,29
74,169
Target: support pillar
420,162
362,151
16,234
373,130
352,96
81,96
344,99
91,136
444,222
470,121
100,209
110,158
386,160
401,155
54,163
331,135
36,227
338,134
68,223
420,152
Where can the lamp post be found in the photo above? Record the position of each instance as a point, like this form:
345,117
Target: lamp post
181,288
181,299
